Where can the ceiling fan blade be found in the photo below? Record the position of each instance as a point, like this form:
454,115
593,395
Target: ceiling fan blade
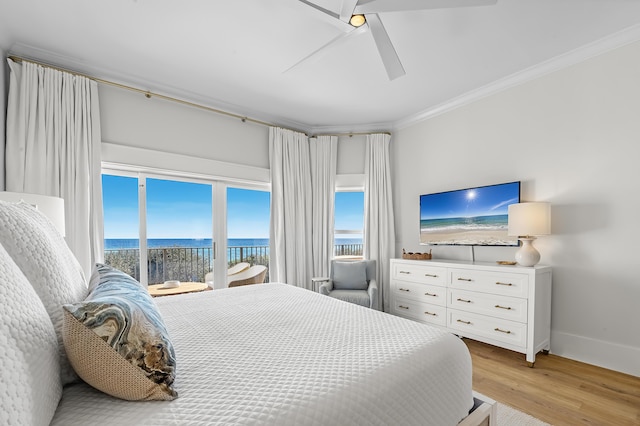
330,17
325,48
346,11
387,52
378,6
320,8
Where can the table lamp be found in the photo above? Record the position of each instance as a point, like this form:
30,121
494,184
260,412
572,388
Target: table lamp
51,207
526,221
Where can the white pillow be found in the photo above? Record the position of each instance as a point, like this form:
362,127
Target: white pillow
44,258
29,369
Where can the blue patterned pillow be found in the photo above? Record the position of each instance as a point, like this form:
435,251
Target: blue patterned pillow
116,339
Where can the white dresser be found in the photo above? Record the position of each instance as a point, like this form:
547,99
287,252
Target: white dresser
506,306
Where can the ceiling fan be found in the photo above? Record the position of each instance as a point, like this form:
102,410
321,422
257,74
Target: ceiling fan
359,16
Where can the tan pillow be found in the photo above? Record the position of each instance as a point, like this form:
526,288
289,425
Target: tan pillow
116,340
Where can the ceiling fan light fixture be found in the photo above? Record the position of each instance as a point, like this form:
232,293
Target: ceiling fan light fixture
357,20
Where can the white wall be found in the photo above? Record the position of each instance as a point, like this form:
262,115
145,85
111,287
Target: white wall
572,138
157,133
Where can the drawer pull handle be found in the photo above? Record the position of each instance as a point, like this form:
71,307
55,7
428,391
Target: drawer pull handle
403,307
431,294
502,331
508,308
405,272
465,279
404,289
465,322
507,284
465,301
430,313
431,275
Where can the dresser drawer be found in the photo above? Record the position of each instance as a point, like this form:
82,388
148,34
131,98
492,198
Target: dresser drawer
419,273
502,283
420,292
432,314
505,331
510,308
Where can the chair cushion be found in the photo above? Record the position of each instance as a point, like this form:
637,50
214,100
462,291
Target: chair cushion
359,297
41,253
30,373
349,276
116,339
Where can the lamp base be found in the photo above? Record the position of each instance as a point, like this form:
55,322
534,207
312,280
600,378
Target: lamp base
527,255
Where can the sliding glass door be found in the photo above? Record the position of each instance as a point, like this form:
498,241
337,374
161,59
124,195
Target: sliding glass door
179,230
121,223
171,226
248,212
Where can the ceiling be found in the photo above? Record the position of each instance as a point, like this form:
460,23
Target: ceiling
232,55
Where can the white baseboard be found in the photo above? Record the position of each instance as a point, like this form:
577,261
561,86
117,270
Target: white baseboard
613,356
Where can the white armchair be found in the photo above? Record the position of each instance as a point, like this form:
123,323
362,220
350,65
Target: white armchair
351,281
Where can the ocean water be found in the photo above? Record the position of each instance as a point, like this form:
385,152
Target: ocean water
470,231
132,243
477,223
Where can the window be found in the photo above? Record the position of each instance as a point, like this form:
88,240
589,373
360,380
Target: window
175,227
179,230
248,221
349,223
121,224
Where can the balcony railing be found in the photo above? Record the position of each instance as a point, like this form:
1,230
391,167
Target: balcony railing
193,263
348,250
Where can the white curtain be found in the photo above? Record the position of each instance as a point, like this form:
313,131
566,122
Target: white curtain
324,154
53,148
290,256
379,229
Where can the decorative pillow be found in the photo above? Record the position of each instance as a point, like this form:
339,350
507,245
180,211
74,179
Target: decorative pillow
349,276
41,253
116,339
29,356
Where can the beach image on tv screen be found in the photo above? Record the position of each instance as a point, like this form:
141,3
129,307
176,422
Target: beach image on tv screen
474,216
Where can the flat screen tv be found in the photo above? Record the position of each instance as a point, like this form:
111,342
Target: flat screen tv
468,217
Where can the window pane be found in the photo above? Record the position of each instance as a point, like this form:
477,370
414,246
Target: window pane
179,230
121,231
349,223
248,217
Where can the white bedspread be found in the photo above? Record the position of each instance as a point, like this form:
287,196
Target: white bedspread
274,354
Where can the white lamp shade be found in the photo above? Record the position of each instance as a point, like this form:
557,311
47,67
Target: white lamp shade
51,207
529,219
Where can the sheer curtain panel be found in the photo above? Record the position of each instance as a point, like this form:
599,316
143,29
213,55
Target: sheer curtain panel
324,154
290,257
53,148
379,229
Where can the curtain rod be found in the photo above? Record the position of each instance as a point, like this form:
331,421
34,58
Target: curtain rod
353,134
150,94
147,93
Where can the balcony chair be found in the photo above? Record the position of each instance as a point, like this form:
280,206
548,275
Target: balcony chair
235,269
253,275
351,281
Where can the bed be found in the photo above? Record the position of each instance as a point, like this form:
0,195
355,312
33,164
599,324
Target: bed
270,354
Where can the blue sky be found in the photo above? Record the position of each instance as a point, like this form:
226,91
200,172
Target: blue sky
183,210
483,201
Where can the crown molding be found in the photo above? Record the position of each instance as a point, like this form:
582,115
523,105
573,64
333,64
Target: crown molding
581,54
606,44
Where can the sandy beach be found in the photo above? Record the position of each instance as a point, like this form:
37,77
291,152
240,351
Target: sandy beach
468,237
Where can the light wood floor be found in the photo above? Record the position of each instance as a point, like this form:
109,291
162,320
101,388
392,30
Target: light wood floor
557,390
